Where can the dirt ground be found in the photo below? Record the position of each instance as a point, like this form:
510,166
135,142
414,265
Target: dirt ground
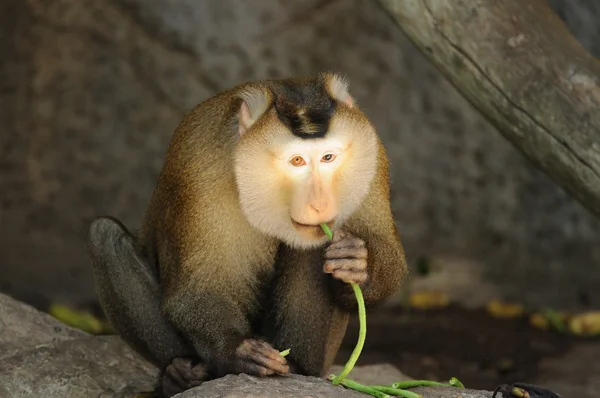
478,349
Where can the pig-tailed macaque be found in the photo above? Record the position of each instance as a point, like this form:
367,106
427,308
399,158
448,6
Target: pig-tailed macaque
230,265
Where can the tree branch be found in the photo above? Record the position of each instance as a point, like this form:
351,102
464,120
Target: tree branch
518,64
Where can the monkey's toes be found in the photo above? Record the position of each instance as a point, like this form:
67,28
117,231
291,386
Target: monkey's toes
181,375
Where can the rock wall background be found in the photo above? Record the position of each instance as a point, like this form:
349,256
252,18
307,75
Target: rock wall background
90,93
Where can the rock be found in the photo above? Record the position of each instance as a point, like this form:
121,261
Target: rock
244,386
294,386
25,328
41,357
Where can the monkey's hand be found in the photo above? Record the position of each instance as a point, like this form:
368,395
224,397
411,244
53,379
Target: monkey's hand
346,258
258,358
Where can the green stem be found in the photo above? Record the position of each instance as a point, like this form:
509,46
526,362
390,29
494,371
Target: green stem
362,318
396,389
327,231
351,384
397,392
417,383
454,382
284,352
362,334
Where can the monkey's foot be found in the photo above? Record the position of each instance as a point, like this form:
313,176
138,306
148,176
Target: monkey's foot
523,390
346,258
181,375
259,358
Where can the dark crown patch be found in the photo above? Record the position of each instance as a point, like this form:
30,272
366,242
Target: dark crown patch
304,107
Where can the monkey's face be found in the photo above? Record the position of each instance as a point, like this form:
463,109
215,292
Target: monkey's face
288,185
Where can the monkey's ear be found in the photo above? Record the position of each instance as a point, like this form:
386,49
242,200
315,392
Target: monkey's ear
255,102
337,87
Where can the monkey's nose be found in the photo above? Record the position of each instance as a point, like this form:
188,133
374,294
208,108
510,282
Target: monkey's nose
318,208
317,213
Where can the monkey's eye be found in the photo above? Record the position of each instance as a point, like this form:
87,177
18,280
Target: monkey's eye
328,158
297,161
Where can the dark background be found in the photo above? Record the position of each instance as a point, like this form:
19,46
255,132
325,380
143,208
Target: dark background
92,91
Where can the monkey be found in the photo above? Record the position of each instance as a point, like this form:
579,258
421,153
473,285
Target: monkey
230,264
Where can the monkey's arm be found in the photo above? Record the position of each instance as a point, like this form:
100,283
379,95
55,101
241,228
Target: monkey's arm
374,224
213,325
220,332
300,314
210,292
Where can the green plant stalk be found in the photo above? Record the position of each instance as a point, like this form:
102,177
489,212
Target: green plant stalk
351,384
396,389
284,352
362,319
397,392
454,382
418,383
327,231
362,334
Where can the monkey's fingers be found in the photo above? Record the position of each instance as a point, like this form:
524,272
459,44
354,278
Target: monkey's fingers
250,367
264,348
273,365
359,252
338,235
351,276
259,365
262,354
346,264
347,243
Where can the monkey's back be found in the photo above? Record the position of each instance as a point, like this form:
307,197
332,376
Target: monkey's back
194,210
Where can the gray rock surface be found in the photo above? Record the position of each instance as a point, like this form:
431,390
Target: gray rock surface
244,386
92,91
25,328
41,357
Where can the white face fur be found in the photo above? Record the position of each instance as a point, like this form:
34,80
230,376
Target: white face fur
311,166
289,185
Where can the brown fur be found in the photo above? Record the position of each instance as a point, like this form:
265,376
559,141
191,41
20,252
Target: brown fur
221,279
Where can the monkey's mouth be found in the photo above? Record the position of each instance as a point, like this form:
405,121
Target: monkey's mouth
312,229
